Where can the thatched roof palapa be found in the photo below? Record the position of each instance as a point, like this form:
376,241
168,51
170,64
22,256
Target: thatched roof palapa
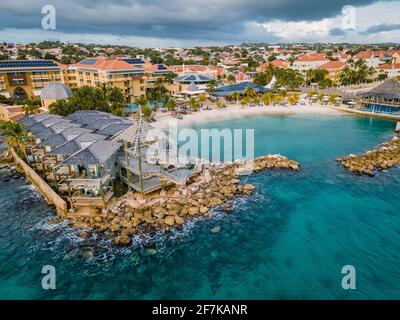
389,90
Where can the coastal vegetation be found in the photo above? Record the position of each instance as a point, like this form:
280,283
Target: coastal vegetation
16,136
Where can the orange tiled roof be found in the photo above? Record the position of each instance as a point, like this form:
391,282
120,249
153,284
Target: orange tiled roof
388,66
275,63
106,64
313,57
333,65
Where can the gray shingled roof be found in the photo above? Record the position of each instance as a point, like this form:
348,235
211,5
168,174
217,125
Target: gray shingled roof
64,136
101,123
55,91
96,154
74,145
54,129
30,120
113,129
80,114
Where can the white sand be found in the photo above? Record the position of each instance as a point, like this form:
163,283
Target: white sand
236,111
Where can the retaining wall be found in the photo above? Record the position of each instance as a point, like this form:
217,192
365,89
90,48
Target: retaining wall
47,192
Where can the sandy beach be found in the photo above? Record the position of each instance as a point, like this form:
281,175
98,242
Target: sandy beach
236,111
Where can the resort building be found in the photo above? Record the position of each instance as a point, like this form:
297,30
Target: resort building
309,61
24,79
374,58
182,83
280,64
239,88
83,154
333,68
52,92
126,74
10,113
155,72
391,70
383,99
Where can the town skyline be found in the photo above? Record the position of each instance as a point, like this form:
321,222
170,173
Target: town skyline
176,24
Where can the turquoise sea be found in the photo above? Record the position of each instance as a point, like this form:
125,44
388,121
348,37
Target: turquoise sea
289,241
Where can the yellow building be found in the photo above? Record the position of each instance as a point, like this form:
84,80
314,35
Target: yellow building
24,79
333,68
125,74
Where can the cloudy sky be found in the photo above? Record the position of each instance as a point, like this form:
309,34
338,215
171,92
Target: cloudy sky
164,23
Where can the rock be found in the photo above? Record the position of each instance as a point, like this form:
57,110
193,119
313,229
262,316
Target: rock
179,220
151,251
169,220
216,229
122,240
193,211
83,234
203,210
98,219
55,221
87,254
248,187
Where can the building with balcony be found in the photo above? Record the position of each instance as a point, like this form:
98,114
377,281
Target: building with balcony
24,79
83,154
126,74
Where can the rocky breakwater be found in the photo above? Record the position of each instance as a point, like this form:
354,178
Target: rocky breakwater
217,186
385,156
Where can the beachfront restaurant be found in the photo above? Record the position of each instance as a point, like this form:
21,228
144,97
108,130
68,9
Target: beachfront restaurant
383,99
239,88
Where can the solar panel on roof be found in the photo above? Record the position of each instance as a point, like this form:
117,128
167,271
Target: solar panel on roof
134,61
27,64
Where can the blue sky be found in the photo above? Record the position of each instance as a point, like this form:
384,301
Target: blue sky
165,23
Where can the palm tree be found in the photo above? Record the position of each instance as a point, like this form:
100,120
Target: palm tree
277,98
31,107
142,103
193,104
15,134
250,92
244,101
267,98
171,105
212,84
294,99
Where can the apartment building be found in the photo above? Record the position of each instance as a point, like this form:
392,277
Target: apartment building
24,79
309,61
333,68
126,74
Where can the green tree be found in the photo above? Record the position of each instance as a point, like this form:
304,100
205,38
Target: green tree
171,105
15,134
103,97
31,107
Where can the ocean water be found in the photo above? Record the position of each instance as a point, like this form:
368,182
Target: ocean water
289,241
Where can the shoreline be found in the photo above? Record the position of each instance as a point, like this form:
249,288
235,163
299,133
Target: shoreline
235,111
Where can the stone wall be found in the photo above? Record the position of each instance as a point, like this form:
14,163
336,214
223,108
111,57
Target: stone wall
48,193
